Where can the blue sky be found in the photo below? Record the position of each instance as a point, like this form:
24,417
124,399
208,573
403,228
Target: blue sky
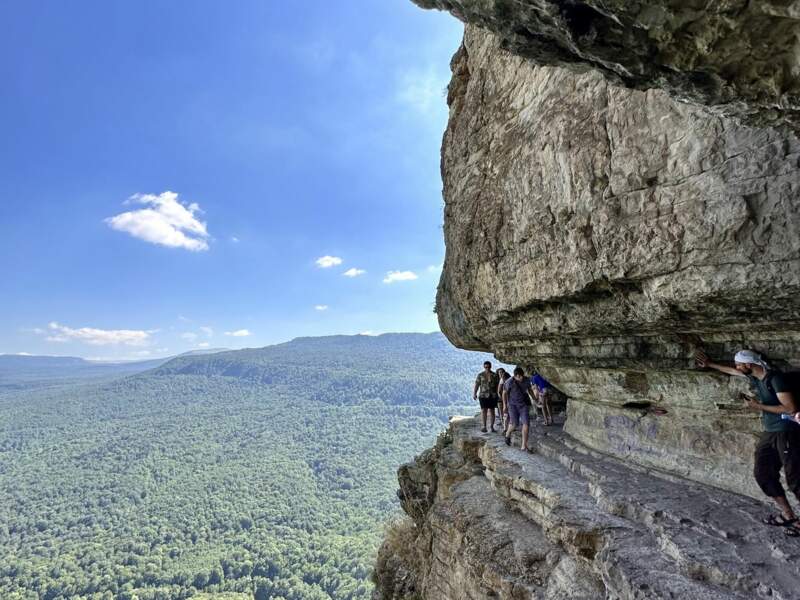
173,172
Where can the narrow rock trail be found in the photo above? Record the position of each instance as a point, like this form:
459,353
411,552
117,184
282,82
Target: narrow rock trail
563,521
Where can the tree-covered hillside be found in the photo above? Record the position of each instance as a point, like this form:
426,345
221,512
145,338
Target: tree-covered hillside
267,472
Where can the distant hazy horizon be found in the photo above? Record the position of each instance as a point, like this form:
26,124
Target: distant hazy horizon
215,349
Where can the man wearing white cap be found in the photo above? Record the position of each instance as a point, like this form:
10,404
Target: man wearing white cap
779,445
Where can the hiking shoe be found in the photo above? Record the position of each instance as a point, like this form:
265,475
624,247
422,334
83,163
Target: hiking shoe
508,441
483,429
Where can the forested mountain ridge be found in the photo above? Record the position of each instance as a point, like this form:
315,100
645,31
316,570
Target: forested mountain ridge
18,371
266,472
408,368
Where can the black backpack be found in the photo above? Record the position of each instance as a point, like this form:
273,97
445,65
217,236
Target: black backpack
792,379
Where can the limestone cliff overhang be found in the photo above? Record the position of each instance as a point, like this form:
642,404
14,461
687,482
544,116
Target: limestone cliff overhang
601,229
740,57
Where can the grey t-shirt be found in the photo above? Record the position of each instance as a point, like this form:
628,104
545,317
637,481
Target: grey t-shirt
518,390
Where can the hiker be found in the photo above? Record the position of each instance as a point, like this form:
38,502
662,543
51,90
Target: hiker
485,391
516,396
544,393
503,406
779,445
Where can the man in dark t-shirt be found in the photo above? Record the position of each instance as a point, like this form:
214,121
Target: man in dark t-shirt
779,444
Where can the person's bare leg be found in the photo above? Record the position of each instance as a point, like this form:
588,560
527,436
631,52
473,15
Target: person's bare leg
483,419
786,508
524,437
491,418
548,413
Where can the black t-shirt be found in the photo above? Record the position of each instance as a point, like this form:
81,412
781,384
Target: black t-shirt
778,383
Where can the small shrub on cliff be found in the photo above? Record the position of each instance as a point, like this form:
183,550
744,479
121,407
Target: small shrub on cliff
397,564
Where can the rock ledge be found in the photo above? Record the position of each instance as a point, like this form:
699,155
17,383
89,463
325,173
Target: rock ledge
567,522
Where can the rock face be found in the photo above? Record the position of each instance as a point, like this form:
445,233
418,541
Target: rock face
563,523
622,188
602,234
741,57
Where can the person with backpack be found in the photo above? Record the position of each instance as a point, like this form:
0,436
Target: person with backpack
779,444
517,391
485,391
544,394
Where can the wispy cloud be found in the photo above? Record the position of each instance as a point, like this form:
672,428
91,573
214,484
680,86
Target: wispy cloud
369,333
193,336
393,276
422,90
239,333
434,268
99,337
353,272
165,221
321,307
36,330
326,262
235,239
204,345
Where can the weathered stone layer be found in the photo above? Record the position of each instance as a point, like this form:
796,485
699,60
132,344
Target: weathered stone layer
739,57
602,235
564,523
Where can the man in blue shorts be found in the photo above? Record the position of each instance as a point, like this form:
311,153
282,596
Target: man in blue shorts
517,392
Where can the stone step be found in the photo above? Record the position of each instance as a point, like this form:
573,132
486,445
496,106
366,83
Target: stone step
652,535
691,521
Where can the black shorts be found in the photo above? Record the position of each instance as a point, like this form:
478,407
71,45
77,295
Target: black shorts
775,450
490,402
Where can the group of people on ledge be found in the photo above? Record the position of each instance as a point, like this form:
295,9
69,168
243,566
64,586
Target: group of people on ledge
774,393
510,398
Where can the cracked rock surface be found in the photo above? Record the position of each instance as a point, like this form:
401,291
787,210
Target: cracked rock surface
740,57
565,522
602,234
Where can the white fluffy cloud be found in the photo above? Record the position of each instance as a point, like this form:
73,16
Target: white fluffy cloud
239,333
321,307
353,272
207,331
393,276
165,221
326,262
99,337
203,345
